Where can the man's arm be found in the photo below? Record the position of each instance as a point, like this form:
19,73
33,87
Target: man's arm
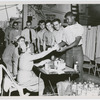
38,44
6,34
44,44
75,43
62,44
10,36
15,61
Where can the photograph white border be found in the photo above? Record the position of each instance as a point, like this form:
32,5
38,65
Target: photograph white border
50,2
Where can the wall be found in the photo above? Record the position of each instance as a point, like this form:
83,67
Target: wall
83,14
51,10
89,14
11,11
94,13
59,10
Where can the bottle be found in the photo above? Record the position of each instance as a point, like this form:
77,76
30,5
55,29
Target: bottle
79,88
85,88
46,66
74,88
85,85
76,66
96,90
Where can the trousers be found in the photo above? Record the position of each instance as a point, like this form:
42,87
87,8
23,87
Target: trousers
75,54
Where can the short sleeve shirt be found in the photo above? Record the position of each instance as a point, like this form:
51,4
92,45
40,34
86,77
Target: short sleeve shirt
48,38
26,34
8,52
73,31
40,36
13,34
58,35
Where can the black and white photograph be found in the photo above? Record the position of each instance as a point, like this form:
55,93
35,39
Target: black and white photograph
49,50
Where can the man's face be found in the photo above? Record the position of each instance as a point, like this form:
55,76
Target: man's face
28,24
49,26
22,44
10,23
15,25
21,41
42,25
70,20
56,25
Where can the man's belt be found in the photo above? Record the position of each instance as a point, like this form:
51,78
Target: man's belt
79,45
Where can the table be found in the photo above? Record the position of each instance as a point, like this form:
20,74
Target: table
67,71
53,73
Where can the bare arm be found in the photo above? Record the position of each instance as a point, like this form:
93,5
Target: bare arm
62,44
75,43
44,44
6,34
42,63
43,54
10,36
15,61
38,44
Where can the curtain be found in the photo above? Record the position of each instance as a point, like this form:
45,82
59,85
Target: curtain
98,42
1,78
90,42
84,39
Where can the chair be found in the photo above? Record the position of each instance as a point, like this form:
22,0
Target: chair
1,77
88,64
14,84
97,69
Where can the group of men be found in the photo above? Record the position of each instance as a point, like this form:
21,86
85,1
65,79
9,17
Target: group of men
68,38
51,33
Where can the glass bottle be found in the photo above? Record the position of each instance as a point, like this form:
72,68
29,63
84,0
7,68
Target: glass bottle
74,88
76,66
79,88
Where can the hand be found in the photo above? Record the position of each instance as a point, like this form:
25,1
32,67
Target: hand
62,49
56,47
44,61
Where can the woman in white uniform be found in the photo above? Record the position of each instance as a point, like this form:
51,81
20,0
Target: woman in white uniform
26,76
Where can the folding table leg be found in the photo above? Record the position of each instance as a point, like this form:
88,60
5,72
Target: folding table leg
51,87
69,79
1,77
39,83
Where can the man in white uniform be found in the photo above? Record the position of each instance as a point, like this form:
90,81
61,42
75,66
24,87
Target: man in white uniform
40,35
48,36
7,31
30,36
58,36
73,39
14,32
7,56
